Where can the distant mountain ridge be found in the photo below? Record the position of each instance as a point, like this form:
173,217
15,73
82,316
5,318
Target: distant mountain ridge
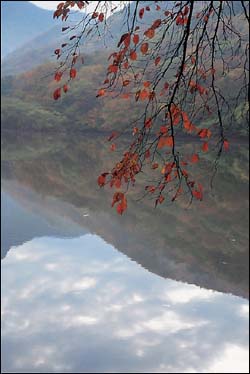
15,30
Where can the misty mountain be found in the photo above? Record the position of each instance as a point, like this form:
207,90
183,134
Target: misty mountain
21,21
33,217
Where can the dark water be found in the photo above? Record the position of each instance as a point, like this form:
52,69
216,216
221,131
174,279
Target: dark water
85,290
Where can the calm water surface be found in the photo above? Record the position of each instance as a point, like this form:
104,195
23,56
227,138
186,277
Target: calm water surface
85,290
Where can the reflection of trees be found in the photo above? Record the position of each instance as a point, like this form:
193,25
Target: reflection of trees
206,244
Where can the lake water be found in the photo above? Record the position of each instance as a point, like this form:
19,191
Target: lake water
86,290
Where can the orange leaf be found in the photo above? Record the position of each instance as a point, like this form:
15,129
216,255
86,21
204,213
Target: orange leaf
146,84
135,130
100,93
165,141
144,48
122,206
150,33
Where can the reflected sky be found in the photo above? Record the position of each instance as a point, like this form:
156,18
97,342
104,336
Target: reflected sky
79,305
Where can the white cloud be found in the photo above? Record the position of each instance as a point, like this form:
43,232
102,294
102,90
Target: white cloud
234,359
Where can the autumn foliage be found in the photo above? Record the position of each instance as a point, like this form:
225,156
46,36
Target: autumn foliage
169,65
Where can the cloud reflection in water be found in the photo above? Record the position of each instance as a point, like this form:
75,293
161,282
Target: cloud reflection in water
78,305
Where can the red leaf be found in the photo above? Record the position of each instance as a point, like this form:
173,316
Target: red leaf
112,136
155,165
205,147
195,158
161,199
146,84
123,38
58,76
163,129
226,145
65,88
126,82
57,51
156,24
133,55
101,17
113,69
57,93
186,10
118,183
166,85
157,60
136,39
179,20
150,189
143,94
198,193
72,73
118,196
102,179
141,12
113,147
203,133
148,123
